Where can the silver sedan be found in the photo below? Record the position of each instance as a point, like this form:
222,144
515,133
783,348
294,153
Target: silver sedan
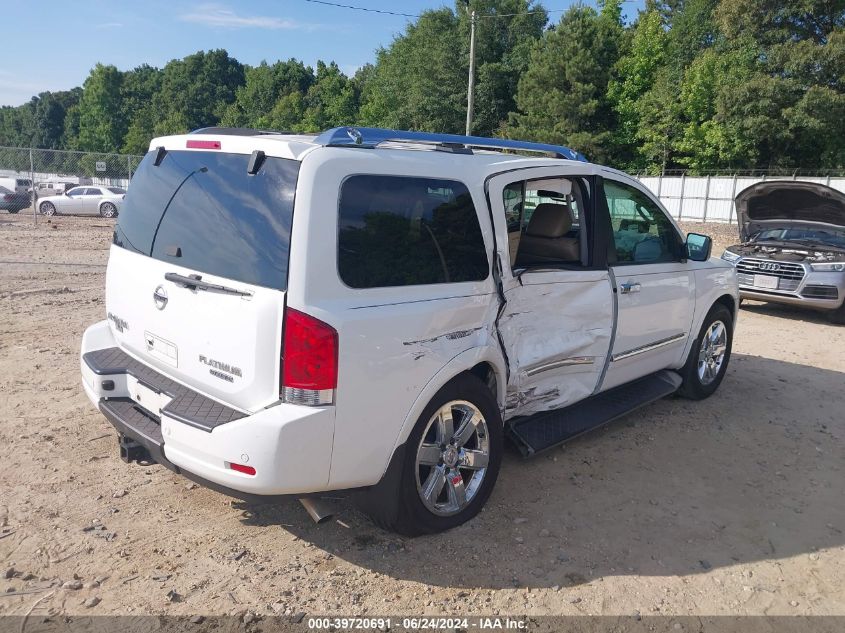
84,200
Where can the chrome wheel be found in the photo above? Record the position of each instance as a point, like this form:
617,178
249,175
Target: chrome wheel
452,458
711,354
48,208
108,210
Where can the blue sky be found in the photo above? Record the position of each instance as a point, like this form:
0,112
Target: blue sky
56,43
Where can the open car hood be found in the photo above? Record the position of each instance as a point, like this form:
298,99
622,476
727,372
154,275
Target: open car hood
788,204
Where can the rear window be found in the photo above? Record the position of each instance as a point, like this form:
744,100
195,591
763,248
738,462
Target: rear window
203,211
117,189
402,231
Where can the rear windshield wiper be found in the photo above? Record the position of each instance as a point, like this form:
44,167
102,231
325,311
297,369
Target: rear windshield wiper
195,282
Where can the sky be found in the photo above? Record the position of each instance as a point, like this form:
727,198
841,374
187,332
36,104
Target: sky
58,42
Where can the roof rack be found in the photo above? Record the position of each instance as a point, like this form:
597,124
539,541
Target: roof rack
236,131
370,137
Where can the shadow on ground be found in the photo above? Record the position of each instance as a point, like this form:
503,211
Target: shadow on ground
675,488
784,311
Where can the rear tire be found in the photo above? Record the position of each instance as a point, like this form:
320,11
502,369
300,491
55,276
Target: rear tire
13,211
47,208
108,210
709,356
444,474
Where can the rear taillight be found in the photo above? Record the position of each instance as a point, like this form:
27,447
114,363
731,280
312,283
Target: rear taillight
309,360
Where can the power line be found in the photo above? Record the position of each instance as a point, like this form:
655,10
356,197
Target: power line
349,6
415,15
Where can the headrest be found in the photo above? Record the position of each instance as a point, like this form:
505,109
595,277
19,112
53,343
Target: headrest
549,220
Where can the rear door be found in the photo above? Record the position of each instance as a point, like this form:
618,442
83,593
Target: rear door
201,215
652,281
556,324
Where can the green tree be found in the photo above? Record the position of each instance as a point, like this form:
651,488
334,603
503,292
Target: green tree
562,97
264,85
419,81
101,128
195,91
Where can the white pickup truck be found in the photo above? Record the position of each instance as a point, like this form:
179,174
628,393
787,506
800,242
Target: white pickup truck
376,310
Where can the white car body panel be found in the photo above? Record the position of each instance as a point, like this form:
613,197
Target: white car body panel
197,324
397,346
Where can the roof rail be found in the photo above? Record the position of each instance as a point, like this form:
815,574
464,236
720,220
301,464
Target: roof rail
371,137
235,131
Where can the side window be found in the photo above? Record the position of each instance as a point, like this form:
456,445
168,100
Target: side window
404,231
544,222
642,233
78,191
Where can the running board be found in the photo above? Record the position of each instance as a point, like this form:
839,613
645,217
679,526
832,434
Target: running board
545,430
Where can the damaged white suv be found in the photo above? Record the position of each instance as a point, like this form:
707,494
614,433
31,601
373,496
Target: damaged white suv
375,310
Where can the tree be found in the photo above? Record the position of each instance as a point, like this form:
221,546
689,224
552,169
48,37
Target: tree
637,73
195,91
264,86
419,81
101,129
562,97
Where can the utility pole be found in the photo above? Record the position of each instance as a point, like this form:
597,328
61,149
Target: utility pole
471,87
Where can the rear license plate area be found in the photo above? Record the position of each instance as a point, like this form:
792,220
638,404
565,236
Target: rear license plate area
161,349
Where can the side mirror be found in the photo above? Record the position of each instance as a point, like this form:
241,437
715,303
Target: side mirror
698,247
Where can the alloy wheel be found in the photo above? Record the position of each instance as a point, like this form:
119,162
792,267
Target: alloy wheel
711,354
452,458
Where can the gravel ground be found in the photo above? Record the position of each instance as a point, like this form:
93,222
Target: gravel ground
732,505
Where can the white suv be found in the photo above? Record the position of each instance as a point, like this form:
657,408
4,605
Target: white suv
375,310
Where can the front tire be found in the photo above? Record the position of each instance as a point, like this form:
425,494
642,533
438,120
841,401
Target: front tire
709,356
837,317
445,472
47,208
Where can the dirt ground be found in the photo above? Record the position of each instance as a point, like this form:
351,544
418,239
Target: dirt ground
733,505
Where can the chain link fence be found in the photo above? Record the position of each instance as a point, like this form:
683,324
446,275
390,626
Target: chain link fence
28,175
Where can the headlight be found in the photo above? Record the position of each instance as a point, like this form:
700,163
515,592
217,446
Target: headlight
728,256
830,267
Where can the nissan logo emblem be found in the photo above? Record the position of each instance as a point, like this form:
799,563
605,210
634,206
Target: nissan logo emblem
770,266
160,297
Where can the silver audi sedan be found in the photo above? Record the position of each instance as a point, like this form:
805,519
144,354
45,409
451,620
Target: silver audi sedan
84,200
792,247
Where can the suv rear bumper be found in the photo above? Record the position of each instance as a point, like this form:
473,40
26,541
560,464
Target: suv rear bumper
288,445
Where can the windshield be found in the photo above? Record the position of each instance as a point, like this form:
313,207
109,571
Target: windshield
820,237
203,211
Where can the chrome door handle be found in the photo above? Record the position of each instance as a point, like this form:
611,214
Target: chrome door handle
629,287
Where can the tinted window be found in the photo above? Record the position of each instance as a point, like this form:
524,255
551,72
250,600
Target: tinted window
92,191
642,233
398,231
202,210
118,190
76,191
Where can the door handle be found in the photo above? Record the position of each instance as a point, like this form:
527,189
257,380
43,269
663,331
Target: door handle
630,287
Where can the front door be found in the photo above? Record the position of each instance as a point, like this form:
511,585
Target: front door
556,323
653,284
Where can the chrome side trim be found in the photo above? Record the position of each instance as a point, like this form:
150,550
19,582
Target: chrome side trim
647,348
556,364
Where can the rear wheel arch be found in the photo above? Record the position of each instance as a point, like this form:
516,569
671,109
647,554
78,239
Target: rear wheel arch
481,362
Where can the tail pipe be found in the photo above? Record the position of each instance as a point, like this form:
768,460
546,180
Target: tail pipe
317,509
